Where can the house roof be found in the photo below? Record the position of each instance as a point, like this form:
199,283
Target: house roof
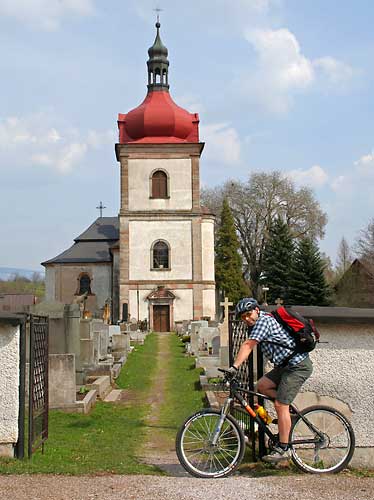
93,245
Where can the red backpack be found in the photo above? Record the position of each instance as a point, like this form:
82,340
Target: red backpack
302,330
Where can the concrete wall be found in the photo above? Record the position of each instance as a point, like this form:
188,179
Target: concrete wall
207,240
183,305
209,303
180,186
9,387
142,234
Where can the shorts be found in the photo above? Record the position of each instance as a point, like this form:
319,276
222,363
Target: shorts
289,379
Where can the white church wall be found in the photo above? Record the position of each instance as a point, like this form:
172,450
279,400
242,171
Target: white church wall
141,236
183,305
209,303
180,187
207,238
143,304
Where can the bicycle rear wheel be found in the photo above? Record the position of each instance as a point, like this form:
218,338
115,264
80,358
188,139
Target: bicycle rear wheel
196,452
333,437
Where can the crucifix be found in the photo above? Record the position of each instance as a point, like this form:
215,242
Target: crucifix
101,208
158,10
279,302
226,304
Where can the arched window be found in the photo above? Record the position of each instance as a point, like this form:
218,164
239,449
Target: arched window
160,255
84,284
159,184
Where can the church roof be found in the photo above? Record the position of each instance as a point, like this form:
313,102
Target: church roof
93,245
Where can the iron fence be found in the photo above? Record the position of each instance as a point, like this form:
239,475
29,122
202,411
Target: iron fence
248,374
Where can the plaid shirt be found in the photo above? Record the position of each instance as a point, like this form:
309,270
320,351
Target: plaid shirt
267,329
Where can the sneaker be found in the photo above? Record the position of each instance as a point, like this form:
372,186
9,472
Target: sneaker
277,455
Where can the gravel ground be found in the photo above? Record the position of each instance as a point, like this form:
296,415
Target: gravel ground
110,487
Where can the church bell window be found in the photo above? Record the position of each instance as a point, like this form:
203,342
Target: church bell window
160,255
159,184
84,284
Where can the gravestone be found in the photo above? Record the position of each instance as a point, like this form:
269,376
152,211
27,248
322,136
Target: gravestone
216,342
195,326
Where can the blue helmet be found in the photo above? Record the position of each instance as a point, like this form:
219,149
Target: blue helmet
245,305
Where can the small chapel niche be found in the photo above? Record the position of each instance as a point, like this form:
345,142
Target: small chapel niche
160,255
84,284
159,185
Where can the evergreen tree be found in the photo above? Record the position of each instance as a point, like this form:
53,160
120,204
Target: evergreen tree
278,261
308,285
229,275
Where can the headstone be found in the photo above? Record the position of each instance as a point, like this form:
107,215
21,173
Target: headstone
195,326
206,334
215,345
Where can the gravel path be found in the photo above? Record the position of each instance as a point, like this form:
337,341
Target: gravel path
306,487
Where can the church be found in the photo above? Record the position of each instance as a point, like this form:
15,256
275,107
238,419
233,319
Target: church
155,261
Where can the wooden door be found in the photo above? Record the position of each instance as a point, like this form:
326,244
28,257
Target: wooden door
161,319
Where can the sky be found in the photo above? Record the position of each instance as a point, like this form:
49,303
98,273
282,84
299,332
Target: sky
279,85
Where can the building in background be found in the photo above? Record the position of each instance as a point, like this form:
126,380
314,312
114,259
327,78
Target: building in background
156,260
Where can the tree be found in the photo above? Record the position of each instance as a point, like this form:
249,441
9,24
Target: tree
278,261
229,273
308,286
344,259
364,246
256,204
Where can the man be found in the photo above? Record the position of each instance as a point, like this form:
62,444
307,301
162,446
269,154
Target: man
291,369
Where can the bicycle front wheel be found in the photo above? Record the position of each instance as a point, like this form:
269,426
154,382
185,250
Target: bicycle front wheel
325,443
196,452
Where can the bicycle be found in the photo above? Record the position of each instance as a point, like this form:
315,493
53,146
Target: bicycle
211,443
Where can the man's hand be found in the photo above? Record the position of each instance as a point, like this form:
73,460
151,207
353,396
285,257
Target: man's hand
231,373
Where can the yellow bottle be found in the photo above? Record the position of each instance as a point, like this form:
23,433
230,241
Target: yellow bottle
263,414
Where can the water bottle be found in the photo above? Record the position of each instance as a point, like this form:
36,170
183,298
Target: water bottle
263,414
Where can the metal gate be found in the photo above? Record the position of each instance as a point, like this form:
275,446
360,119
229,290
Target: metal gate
37,328
248,374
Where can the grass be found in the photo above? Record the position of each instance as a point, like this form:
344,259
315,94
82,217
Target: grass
183,395
104,441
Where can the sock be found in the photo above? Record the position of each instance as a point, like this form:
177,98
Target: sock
284,446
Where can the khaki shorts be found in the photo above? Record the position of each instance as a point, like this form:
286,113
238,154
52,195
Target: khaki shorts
289,379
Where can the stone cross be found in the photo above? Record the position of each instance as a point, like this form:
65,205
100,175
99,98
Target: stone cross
279,302
225,325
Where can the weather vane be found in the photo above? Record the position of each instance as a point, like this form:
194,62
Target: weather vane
158,10
101,208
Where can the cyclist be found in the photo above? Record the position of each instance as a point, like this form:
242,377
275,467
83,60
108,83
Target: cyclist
291,369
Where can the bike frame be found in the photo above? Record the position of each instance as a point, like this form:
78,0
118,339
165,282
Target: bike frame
235,394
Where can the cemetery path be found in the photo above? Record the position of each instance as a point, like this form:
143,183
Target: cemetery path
159,448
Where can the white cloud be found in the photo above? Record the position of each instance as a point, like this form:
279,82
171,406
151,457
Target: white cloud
283,70
222,143
45,14
313,177
35,139
365,165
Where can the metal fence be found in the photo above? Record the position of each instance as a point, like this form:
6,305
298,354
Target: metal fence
248,374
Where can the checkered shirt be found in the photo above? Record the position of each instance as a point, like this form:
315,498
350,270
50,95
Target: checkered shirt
267,329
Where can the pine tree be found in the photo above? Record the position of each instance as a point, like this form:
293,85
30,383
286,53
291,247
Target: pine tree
308,285
278,262
229,275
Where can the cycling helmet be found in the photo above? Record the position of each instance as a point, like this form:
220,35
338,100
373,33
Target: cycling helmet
245,305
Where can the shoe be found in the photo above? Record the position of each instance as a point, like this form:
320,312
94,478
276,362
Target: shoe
293,419
277,455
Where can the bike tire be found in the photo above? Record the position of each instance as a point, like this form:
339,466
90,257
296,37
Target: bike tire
331,455
201,459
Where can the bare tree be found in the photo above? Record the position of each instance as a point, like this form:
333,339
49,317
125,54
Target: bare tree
364,246
255,204
344,258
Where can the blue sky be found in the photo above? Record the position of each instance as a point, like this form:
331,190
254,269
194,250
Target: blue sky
278,84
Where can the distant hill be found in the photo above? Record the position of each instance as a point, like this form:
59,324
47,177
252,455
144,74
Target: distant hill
7,273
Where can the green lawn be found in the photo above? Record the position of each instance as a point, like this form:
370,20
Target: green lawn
107,439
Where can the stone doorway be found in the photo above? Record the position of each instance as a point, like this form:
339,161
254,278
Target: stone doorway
161,318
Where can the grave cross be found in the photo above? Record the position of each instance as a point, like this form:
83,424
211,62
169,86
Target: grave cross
226,304
101,208
279,302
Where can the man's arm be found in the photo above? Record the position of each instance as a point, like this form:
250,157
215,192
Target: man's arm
244,351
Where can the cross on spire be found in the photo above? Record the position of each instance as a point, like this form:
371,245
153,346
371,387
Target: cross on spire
158,10
101,208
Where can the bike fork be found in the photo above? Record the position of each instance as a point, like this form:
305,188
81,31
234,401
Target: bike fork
225,410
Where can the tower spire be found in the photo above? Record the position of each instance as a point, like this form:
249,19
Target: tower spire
158,64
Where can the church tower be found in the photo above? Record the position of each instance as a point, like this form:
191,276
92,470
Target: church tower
165,265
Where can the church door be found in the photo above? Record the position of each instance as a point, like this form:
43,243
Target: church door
161,319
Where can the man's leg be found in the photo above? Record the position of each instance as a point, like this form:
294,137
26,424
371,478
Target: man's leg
284,421
267,386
